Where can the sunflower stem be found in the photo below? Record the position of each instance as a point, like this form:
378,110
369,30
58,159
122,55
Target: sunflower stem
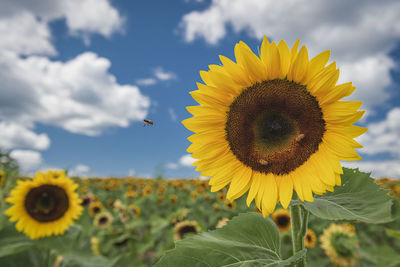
299,221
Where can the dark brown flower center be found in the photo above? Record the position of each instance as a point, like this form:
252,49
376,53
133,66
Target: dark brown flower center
46,203
186,230
103,220
283,221
308,237
274,126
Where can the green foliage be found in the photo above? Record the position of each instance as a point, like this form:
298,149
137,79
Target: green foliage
359,198
247,240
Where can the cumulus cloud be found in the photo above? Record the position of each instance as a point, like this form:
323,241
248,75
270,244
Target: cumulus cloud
79,95
359,33
146,81
28,160
383,136
83,17
159,75
131,172
171,165
13,135
172,114
163,75
22,33
379,168
186,160
79,170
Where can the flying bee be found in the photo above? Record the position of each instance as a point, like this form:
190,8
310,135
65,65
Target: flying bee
148,122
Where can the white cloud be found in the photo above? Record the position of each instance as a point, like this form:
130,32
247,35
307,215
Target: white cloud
379,169
171,165
172,114
28,160
359,33
383,136
146,81
186,160
22,33
131,172
79,170
163,75
28,20
79,95
159,75
13,135
91,16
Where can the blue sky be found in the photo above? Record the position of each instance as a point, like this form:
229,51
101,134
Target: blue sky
80,76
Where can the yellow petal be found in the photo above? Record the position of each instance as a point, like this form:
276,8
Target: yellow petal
317,64
254,187
285,190
298,70
351,131
341,150
235,71
250,62
240,183
270,196
223,82
337,93
284,54
271,58
326,84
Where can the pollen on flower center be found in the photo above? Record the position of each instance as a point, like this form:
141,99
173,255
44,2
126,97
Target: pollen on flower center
274,126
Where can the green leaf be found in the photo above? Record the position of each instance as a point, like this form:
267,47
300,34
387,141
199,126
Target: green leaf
359,198
393,233
247,240
14,245
381,256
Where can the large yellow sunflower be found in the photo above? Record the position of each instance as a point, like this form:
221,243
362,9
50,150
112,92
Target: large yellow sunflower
45,205
273,123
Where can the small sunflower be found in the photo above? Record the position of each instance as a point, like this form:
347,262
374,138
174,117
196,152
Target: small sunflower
173,198
2,178
281,217
147,190
217,207
193,195
186,227
340,245
134,210
88,199
130,194
44,206
310,239
95,208
221,197
273,124
230,204
103,220
350,227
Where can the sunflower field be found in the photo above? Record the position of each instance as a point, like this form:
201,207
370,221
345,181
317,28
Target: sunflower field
134,222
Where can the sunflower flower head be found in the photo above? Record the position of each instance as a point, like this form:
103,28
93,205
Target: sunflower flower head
184,228
45,205
273,123
281,218
340,244
310,239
